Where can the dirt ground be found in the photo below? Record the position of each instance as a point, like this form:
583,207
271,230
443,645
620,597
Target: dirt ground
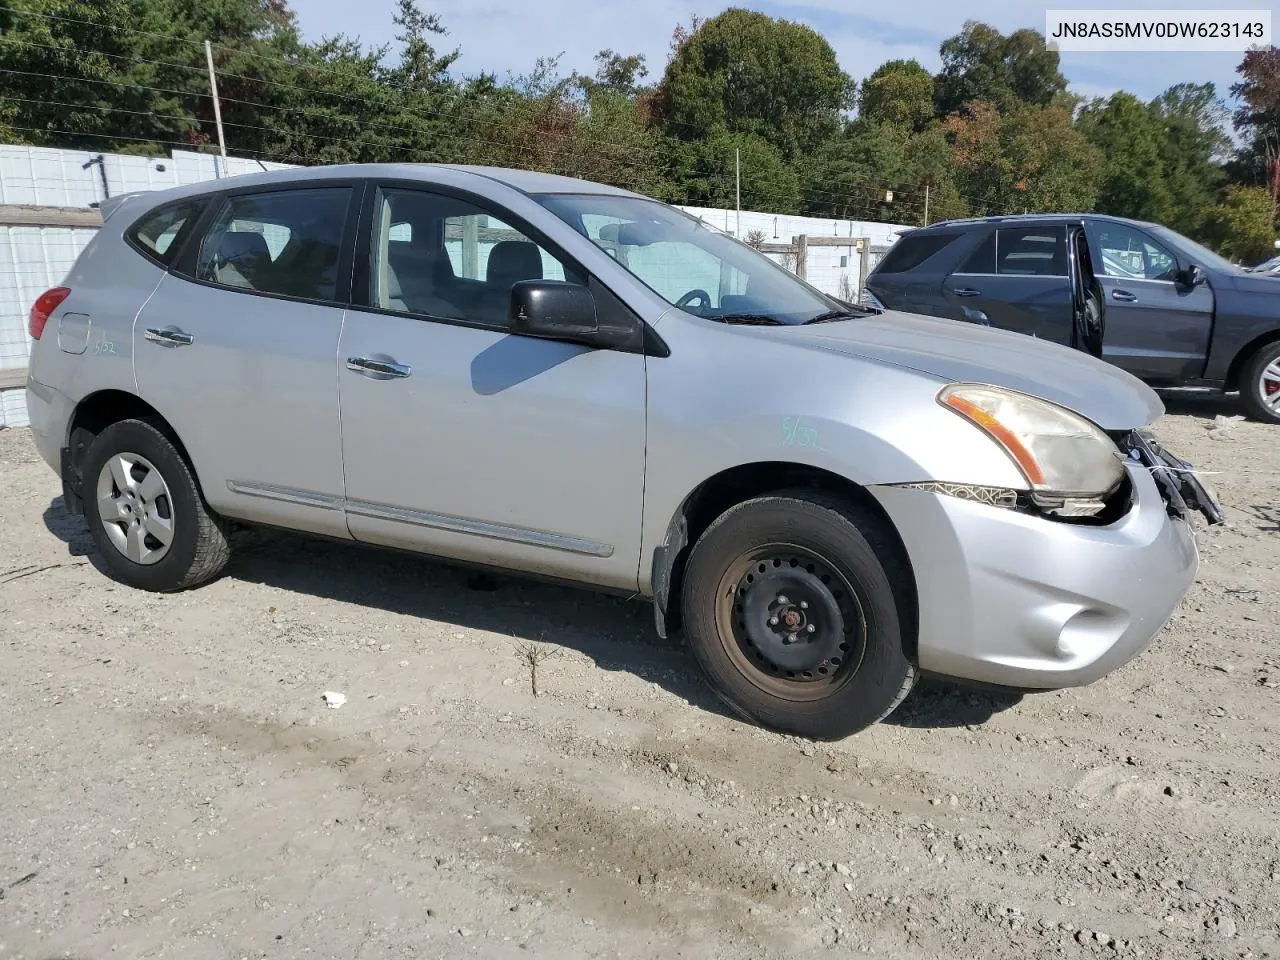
171,784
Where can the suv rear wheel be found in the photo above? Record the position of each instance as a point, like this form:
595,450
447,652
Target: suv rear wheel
145,512
1260,384
790,608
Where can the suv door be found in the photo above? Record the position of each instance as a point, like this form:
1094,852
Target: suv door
236,349
1157,328
463,440
1016,279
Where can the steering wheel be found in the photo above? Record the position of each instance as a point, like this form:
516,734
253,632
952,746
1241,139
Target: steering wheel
693,295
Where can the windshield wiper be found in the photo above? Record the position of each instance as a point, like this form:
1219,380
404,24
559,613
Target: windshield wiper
837,315
747,319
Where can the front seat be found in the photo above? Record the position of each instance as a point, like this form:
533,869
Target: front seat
510,262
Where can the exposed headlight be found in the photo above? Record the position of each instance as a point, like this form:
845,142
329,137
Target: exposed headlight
868,299
1070,464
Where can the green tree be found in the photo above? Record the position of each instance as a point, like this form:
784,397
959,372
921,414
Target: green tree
1192,150
704,173
1257,120
1029,158
981,63
1243,226
746,73
899,92
1131,138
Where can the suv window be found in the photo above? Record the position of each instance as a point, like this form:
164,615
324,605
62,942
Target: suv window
286,243
155,233
911,251
440,256
983,259
1031,251
1131,254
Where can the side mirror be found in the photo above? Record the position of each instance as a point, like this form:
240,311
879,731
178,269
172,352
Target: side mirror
553,309
1193,276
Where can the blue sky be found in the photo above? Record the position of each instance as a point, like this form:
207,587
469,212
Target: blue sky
509,35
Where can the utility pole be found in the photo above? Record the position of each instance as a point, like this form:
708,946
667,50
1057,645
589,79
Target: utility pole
217,107
926,204
737,188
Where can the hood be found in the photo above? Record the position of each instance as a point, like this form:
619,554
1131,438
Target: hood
1264,283
956,351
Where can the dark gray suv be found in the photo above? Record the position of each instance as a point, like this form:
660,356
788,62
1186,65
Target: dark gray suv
1139,295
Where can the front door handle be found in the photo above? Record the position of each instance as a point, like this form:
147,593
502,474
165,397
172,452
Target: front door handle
1124,296
372,367
169,337
966,292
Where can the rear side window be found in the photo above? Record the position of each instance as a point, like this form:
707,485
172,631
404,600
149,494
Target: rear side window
1031,251
983,258
286,243
156,234
911,251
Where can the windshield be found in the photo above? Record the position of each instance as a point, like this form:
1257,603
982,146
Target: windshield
692,266
1201,255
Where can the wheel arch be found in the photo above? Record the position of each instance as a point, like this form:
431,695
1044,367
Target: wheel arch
732,486
101,409
1244,354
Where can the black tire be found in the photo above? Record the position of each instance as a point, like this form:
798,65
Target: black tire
855,670
1252,395
198,550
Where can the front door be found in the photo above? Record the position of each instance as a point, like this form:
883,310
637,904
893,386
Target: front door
236,349
465,441
1157,328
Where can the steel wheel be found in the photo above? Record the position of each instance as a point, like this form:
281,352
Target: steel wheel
1269,386
790,622
135,507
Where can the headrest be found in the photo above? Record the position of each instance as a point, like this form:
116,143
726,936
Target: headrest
237,246
512,261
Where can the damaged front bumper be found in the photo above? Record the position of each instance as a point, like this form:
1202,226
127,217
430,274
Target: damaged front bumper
1179,483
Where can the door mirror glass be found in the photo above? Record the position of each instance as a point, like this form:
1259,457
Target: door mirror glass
1193,276
554,309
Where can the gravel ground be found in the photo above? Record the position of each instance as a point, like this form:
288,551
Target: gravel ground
171,784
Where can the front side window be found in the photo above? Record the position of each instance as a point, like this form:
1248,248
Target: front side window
1031,251
690,265
1130,254
285,243
444,257
156,232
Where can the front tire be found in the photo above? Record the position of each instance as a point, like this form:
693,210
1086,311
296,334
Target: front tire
145,511
1260,384
789,604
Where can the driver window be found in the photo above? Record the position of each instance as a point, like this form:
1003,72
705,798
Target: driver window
444,257
1130,254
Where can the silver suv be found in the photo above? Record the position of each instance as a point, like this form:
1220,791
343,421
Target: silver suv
559,378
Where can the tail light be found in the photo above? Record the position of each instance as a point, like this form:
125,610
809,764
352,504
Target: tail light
43,307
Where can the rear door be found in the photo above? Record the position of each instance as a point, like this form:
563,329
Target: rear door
237,349
1157,328
909,276
1016,279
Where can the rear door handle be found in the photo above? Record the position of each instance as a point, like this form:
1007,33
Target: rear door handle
169,337
378,369
1124,296
966,292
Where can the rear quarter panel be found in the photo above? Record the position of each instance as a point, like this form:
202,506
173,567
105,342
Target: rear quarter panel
87,345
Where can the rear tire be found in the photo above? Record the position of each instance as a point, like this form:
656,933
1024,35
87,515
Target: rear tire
145,511
1260,384
789,604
